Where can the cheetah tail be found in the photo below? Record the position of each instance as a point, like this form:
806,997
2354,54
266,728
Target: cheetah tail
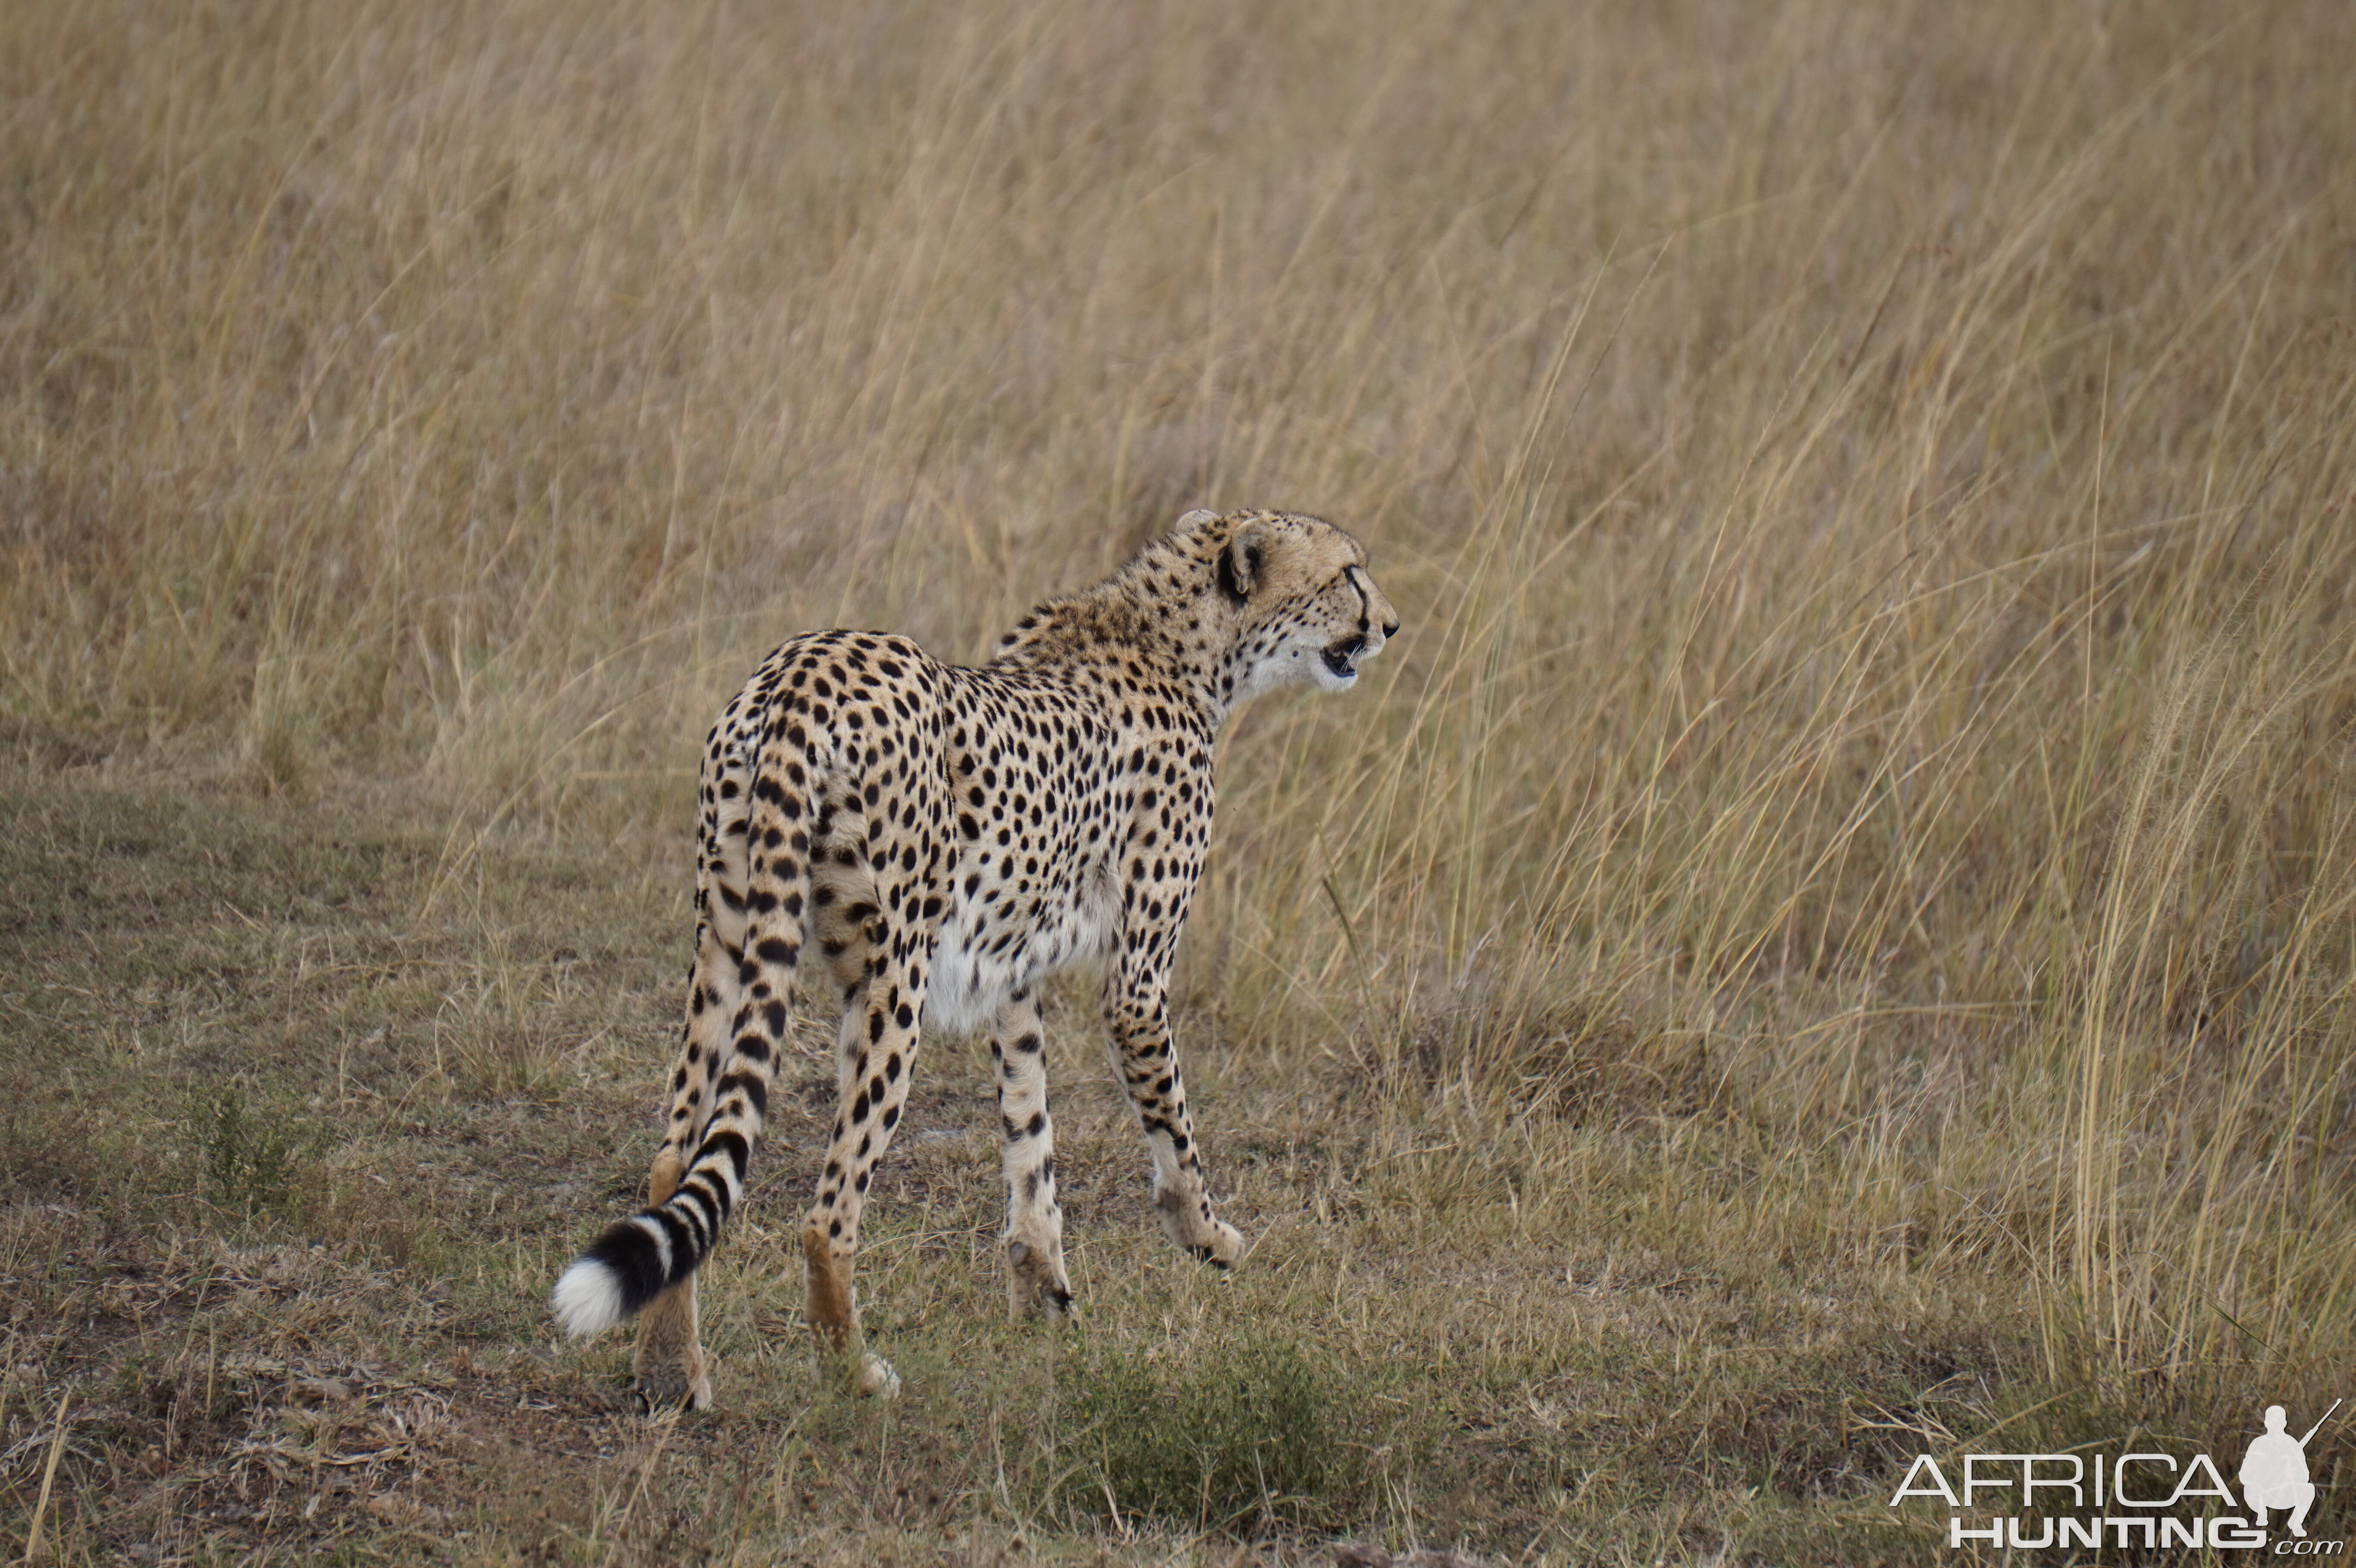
637,1259
626,1268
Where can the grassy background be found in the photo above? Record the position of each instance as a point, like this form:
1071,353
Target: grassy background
1828,934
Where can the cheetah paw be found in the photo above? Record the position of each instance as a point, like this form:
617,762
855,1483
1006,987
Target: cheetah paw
1035,1282
658,1392
877,1379
1222,1248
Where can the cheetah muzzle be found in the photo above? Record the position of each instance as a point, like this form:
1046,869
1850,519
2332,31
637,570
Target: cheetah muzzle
947,837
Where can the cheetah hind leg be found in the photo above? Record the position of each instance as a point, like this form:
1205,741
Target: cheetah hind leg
834,1316
875,1060
850,935
670,1369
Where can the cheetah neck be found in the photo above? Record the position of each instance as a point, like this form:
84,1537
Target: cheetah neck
1156,628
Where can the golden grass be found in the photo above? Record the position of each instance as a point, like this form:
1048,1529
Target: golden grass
1860,792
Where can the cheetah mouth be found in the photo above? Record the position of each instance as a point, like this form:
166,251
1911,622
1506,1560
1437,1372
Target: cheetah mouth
1339,656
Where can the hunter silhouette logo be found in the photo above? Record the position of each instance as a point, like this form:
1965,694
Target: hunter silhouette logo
2150,1499
2273,1472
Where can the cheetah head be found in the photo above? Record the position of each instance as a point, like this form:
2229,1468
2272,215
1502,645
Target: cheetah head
1293,598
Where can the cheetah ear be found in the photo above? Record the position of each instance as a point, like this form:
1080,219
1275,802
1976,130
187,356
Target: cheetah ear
1194,519
1239,563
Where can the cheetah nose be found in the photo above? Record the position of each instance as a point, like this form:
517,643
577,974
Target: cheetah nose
1390,628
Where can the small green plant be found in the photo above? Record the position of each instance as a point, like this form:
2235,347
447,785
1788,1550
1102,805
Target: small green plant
253,1161
1235,1432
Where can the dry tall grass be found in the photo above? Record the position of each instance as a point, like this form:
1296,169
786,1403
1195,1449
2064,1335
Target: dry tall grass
1868,492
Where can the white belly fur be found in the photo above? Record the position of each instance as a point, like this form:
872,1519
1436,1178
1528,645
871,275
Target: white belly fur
969,983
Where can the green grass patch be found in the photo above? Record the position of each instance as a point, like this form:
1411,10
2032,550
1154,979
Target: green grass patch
254,1160
1243,1433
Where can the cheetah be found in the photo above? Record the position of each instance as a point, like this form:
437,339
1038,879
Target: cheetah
949,836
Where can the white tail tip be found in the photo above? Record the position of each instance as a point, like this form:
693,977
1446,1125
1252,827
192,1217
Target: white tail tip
587,1299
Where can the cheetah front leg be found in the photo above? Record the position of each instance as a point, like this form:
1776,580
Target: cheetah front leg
1137,1008
1036,1279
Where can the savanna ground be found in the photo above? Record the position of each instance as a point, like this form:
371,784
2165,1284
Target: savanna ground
1828,936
